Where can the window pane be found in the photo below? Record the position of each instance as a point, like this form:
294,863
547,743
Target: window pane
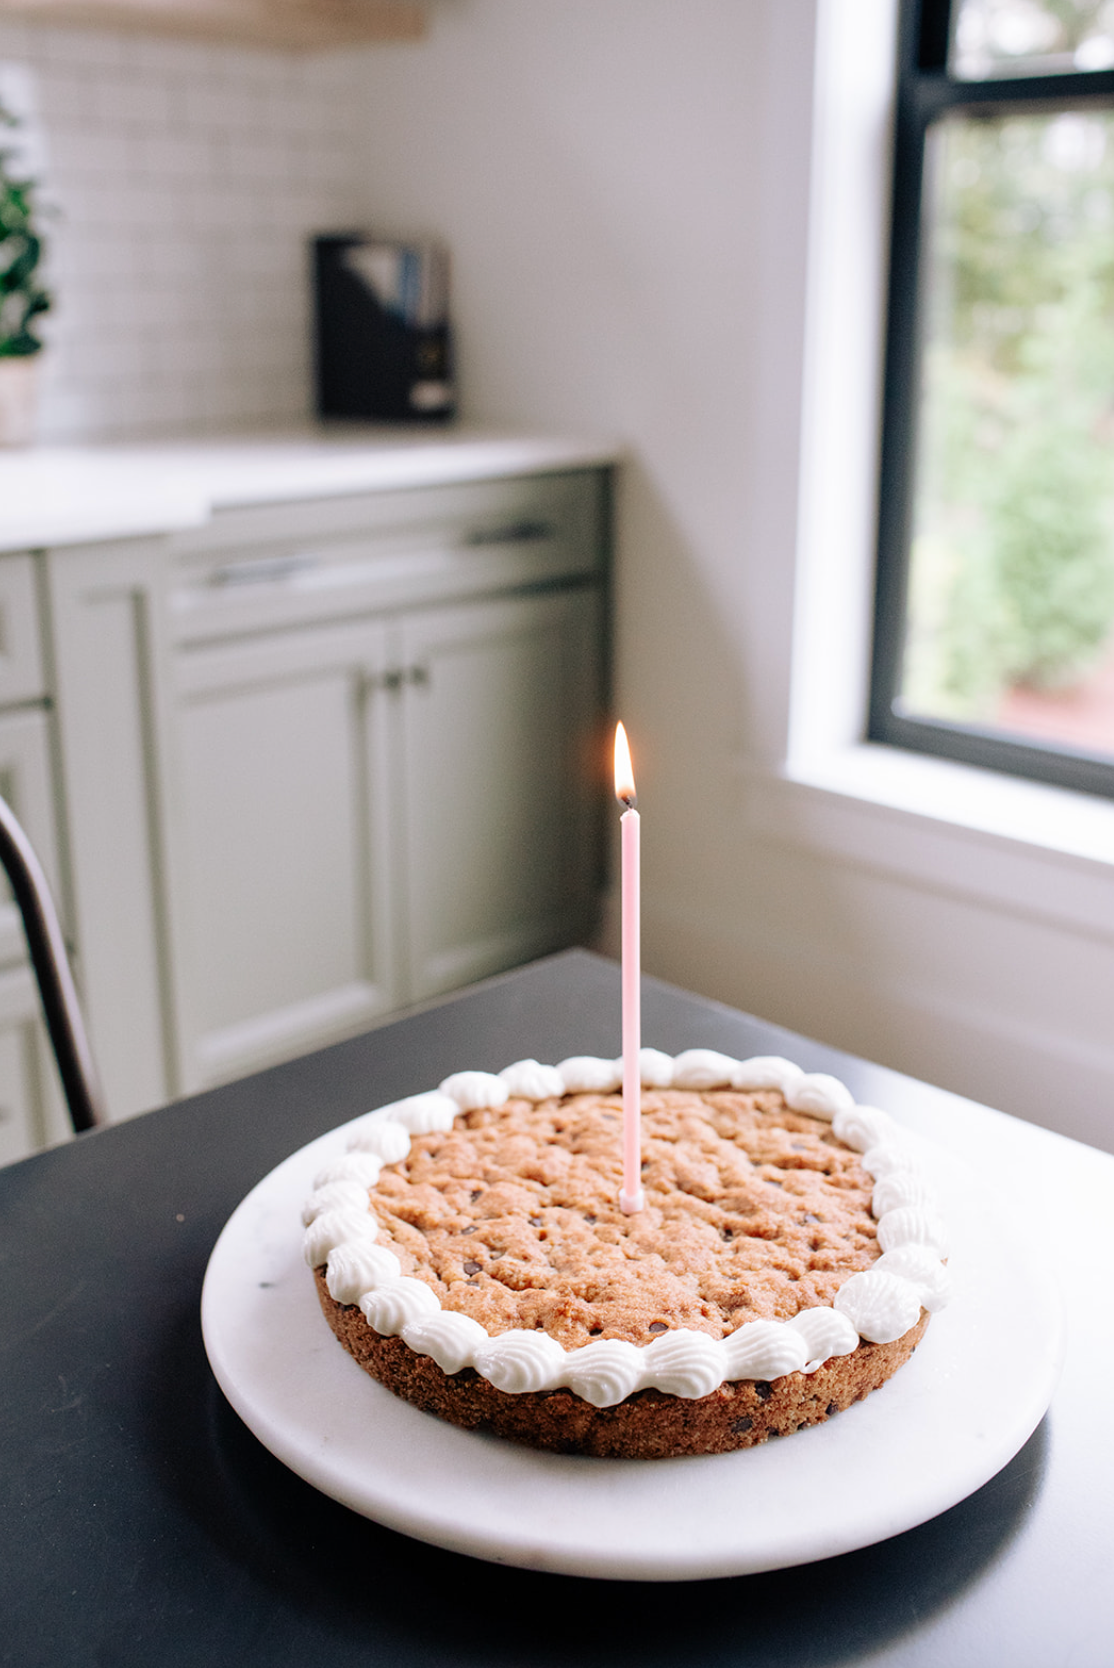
1010,621
1031,37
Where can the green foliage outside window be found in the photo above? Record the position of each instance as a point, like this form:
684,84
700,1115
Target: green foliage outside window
22,297
1012,581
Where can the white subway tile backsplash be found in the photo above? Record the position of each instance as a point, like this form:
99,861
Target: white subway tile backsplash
85,49
122,96
173,156
185,179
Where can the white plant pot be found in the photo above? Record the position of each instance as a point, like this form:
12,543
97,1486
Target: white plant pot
19,399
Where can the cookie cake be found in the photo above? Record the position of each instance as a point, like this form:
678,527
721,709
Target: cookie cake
471,1254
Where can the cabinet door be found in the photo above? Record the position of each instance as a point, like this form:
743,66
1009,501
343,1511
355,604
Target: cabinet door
25,783
282,744
110,658
500,771
21,661
32,1108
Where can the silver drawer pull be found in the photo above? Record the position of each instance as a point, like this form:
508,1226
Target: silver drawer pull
264,571
514,532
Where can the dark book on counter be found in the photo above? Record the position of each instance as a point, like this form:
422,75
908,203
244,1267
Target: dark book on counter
382,337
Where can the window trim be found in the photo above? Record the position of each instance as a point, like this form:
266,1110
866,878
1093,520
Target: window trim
996,841
924,93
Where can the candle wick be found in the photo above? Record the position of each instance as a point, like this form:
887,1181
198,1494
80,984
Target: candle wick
630,800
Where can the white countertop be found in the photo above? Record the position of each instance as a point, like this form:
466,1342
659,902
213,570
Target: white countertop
52,495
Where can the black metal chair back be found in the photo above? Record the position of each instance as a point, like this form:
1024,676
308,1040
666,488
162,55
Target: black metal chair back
61,1008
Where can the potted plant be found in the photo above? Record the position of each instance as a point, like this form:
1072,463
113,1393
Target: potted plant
22,299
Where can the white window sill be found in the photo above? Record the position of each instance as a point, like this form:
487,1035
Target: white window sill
1019,846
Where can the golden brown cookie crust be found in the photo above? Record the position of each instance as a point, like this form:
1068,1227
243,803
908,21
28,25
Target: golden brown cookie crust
752,1212
648,1425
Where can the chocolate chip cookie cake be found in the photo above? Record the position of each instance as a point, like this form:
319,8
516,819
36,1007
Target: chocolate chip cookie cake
471,1255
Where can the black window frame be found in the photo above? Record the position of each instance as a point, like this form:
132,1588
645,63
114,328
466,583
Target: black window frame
925,93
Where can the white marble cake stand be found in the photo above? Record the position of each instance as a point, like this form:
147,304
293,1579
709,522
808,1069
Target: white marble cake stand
945,1424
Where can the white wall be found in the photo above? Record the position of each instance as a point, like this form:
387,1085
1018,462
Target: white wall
625,185
184,179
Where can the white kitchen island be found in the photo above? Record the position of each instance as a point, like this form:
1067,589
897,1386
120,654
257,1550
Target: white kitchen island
308,728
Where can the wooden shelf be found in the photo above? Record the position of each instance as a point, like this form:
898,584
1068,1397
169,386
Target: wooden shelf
296,25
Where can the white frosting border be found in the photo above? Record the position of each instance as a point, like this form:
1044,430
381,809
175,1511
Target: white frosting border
879,1304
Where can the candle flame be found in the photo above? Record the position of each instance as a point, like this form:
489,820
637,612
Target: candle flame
624,770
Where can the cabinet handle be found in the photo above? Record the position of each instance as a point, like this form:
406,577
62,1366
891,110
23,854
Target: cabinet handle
393,680
389,681
263,571
514,532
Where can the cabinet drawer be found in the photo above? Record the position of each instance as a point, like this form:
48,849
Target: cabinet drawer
265,569
21,661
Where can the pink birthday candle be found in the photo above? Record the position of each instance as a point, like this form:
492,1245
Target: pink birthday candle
631,1196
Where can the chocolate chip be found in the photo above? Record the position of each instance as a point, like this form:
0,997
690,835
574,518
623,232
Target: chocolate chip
594,1331
741,1426
659,1326
472,1268
589,1219
831,1408
763,1390
727,1233
474,1196
534,1221
470,1230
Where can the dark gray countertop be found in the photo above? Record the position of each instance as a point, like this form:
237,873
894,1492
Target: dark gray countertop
143,1524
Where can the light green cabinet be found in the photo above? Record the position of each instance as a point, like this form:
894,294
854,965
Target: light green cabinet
321,760
283,755
499,758
31,1109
